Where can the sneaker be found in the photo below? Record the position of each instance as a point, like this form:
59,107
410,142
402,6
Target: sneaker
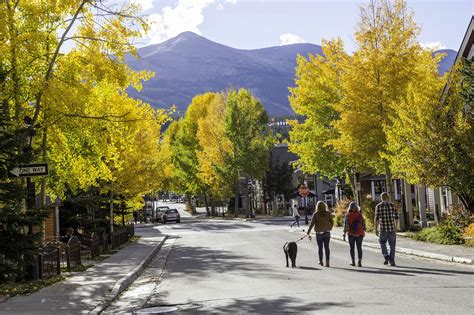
386,261
321,262
359,264
392,264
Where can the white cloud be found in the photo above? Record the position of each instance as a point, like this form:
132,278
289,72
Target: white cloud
433,45
289,38
220,7
145,4
186,15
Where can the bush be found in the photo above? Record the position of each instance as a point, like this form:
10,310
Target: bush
468,235
340,211
452,231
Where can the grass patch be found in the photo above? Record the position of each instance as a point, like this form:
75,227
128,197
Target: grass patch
10,289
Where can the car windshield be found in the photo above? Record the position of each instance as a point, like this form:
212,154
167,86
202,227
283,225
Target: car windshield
162,208
171,211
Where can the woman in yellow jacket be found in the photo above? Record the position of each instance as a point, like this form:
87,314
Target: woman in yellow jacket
322,221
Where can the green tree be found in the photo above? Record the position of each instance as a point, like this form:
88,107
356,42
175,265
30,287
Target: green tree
278,179
318,90
246,127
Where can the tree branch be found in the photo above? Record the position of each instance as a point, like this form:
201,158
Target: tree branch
49,72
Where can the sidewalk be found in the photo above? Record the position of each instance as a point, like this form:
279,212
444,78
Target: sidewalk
408,246
92,290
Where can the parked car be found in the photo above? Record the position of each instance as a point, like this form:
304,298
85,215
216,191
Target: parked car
159,212
171,215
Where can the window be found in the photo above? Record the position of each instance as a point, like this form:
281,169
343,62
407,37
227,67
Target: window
379,186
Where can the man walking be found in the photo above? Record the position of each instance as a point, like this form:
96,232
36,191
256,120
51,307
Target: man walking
386,227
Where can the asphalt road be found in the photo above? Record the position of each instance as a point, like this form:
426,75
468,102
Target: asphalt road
217,267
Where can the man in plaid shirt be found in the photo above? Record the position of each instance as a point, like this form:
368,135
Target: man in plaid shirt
386,227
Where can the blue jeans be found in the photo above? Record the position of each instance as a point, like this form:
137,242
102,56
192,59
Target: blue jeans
323,240
391,237
297,221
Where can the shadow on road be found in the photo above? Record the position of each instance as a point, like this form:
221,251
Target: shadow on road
275,305
206,226
261,305
407,271
195,261
307,268
445,272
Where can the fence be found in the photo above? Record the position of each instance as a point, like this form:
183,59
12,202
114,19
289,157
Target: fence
92,245
73,253
119,237
49,262
104,242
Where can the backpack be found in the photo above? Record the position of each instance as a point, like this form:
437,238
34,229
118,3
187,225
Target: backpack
356,227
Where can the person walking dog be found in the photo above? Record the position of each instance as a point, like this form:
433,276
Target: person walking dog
385,227
354,226
296,214
323,222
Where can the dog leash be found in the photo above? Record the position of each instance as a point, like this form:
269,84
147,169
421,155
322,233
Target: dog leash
303,238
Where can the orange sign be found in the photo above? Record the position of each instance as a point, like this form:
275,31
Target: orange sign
303,190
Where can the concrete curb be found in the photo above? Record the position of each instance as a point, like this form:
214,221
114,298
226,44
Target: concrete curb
414,252
123,283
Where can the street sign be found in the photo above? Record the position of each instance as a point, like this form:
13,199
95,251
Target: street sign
29,170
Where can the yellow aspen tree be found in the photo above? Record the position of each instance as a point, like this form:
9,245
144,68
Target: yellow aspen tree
374,81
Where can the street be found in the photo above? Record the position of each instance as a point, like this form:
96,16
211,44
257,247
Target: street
215,266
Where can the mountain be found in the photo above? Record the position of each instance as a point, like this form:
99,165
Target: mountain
447,60
189,64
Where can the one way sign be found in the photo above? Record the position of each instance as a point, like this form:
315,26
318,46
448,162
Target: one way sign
29,170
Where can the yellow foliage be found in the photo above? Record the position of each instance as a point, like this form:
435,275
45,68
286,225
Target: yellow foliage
468,235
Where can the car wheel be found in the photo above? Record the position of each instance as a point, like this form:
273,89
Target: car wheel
164,221
178,221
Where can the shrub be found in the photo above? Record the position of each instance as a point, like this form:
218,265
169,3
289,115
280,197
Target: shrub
468,235
452,231
433,235
340,211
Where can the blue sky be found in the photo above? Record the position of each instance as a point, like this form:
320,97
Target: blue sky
250,24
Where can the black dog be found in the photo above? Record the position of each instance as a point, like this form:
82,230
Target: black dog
290,249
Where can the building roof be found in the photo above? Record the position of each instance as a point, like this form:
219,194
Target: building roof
280,152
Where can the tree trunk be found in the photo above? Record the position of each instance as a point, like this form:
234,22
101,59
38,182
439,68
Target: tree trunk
467,201
111,213
265,206
388,181
206,203
44,152
236,199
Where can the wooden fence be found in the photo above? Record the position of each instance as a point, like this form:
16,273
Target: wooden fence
92,245
49,262
73,253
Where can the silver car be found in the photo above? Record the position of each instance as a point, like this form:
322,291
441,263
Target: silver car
170,215
159,212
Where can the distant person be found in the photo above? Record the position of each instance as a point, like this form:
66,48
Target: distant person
68,236
296,215
323,222
354,226
135,216
385,227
